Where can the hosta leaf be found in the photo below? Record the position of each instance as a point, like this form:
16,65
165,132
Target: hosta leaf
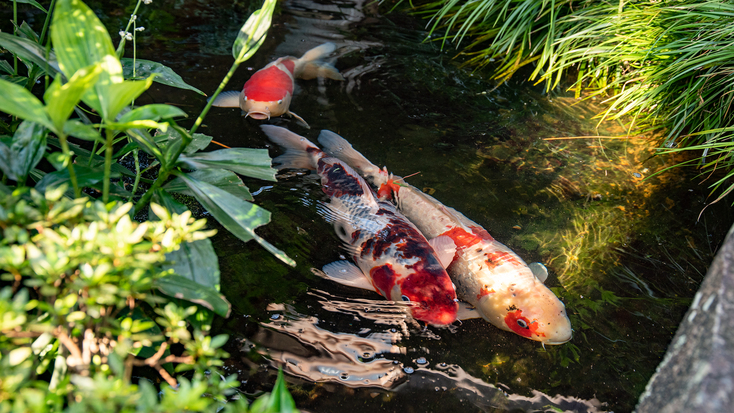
255,163
165,75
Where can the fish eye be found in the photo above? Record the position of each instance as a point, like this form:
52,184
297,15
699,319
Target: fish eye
405,298
522,323
245,98
280,101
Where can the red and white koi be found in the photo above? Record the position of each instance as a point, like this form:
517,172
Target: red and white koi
488,275
392,257
268,92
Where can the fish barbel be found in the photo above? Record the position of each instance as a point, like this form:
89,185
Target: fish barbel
268,92
393,258
487,274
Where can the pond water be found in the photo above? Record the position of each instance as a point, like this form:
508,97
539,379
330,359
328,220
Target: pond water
625,251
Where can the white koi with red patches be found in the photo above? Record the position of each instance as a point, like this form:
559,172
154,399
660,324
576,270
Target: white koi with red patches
487,274
269,91
392,257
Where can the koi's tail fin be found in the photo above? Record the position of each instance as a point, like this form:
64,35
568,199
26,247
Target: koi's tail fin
338,147
299,151
311,65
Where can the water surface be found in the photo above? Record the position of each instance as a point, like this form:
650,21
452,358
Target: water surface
625,252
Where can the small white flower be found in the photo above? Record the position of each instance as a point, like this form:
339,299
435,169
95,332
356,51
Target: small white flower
133,17
139,29
147,1
128,36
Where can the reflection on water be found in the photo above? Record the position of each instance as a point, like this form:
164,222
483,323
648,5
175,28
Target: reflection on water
307,350
371,357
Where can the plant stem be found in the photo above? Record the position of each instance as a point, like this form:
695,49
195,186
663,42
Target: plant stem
91,154
107,166
137,175
121,45
46,23
208,106
162,177
15,33
70,166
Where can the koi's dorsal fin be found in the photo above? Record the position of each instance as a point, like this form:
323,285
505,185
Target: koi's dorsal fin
445,249
346,273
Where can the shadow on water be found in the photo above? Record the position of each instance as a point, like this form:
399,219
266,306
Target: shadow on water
625,250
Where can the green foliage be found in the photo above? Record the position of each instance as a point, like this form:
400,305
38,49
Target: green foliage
87,294
664,66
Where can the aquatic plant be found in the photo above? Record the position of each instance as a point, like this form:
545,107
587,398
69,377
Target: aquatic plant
659,66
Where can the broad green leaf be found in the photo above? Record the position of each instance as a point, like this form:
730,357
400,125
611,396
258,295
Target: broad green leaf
34,3
220,178
146,142
183,288
61,99
237,216
119,95
246,161
16,80
198,142
80,39
5,67
18,101
196,261
80,130
30,51
153,112
165,75
27,149
27,32
136,124
171,150
253,32
85,176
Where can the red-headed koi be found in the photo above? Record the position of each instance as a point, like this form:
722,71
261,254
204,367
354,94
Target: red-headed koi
268,92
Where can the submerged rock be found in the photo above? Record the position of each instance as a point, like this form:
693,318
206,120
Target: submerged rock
697,373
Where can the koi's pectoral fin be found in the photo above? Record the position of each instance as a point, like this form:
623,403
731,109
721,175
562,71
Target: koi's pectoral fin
445,249
229,99
300,119
539,271
467,312
345,273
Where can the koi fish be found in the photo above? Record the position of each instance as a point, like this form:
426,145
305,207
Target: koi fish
502,288
268,92
392,257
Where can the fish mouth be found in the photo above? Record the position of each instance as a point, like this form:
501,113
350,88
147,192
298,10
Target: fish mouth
557,342
259,115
